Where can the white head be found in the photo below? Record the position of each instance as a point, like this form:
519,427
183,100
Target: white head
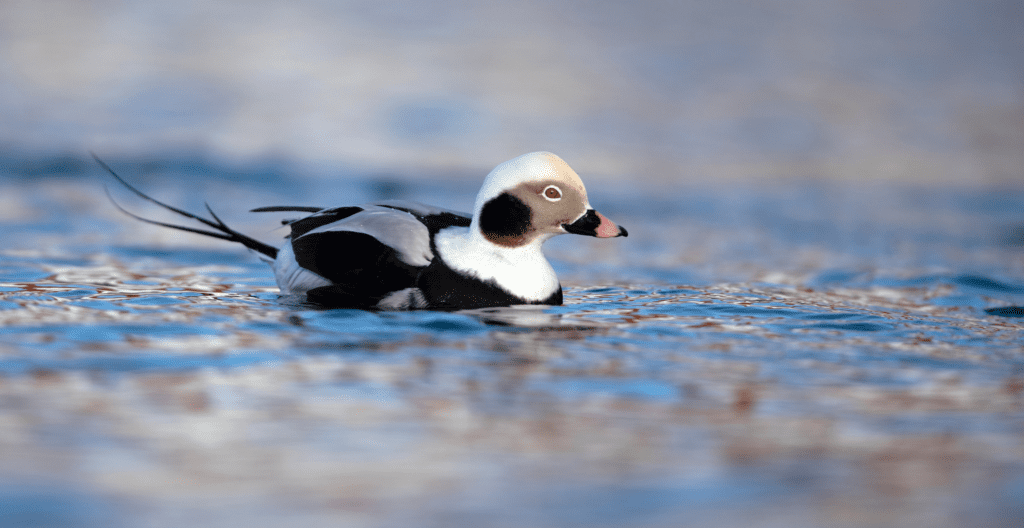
532,198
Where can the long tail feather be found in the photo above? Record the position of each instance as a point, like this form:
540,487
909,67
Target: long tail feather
222,232
287,208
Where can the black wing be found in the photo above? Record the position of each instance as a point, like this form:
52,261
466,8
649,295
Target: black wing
435,220
368,252
363,270
322,217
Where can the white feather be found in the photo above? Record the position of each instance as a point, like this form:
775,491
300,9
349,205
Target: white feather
522,271
407,299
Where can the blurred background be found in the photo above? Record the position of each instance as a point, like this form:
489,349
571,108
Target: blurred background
650,90
814,321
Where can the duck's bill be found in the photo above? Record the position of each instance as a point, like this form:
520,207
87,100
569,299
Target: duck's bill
595,224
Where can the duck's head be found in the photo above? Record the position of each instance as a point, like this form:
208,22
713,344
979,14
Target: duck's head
534,197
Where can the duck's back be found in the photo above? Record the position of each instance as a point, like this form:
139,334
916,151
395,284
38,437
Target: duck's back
367,256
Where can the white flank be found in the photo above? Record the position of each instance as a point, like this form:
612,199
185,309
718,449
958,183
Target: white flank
291,278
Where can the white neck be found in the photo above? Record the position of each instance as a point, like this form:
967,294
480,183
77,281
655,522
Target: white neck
522,271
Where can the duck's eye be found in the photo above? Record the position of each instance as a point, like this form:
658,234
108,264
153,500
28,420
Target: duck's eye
552,193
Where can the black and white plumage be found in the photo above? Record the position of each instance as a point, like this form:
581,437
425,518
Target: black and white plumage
399,255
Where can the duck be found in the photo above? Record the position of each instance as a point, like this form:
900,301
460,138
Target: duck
405,255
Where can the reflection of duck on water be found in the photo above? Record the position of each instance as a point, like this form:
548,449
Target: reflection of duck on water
1007,311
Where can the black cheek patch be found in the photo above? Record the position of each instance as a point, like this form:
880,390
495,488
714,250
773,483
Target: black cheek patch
505,217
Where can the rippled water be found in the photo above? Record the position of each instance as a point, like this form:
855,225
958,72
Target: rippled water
796,355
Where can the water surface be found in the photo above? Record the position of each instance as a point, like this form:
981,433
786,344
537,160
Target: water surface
810,354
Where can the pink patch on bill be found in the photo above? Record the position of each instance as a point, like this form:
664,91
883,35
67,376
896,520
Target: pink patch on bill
607,229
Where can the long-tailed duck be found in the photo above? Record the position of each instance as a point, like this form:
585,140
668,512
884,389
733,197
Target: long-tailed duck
399,255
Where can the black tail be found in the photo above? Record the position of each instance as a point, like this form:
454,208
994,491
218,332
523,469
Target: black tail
223,231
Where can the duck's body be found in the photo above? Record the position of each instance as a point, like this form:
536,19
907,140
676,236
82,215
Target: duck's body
399,255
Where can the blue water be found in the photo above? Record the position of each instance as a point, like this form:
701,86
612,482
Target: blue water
746,352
